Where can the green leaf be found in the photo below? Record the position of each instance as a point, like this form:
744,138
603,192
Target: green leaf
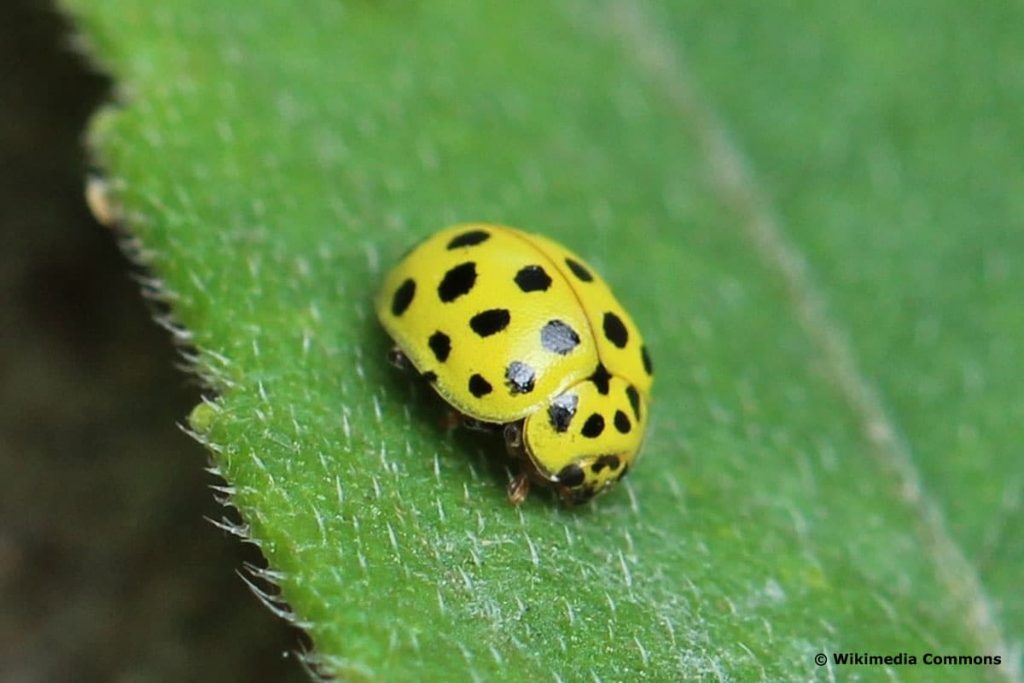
812,212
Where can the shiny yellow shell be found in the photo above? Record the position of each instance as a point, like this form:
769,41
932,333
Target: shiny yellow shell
513,328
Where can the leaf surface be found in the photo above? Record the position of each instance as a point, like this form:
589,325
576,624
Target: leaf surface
832,464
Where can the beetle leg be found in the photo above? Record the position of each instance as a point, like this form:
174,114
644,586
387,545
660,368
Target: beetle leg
453,419
518,488
514,438
450,420
477,425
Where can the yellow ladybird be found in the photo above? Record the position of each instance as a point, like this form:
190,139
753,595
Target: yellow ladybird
515,330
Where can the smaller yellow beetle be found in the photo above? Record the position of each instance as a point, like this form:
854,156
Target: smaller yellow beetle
517,332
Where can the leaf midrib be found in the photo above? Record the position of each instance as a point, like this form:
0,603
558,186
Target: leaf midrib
731,177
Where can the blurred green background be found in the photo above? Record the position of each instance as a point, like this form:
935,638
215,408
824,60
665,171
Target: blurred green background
108,570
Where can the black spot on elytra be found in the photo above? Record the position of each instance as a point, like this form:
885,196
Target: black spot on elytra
610,461
403,297
478,386
600,378
614,330
429,376
490,322
457,281
593,427
558,337
562,410
441,345
533,279
647,360
579,270
519,377
622,422
634,400
469,239
570,475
